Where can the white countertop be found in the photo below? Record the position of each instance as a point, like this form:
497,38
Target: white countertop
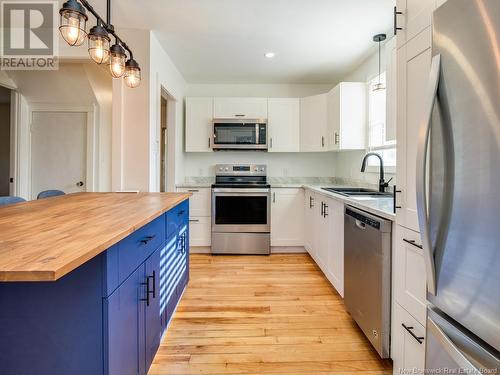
383,207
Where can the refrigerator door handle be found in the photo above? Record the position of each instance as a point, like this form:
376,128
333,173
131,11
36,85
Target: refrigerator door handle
423,143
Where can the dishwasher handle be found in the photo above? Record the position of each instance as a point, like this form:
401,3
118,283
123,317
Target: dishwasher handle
360,224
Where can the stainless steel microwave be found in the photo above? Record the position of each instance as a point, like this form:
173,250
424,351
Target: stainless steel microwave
244,134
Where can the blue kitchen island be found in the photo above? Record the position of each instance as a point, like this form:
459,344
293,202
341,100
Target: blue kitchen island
90,281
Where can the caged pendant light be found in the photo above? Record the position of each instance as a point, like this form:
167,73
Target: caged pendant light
379,38
73,26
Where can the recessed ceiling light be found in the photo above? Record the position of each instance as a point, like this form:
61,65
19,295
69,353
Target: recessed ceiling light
270,55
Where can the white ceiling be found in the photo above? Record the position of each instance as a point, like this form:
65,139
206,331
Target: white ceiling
224,41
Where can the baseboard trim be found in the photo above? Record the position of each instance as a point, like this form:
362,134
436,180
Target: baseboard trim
274,249
200,250
287,249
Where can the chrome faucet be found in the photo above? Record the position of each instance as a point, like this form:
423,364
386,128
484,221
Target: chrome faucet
381,183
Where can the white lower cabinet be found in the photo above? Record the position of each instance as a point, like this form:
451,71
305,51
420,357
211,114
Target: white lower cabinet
200,222
310,230
324,236
287,217
200,231
408,343
409,273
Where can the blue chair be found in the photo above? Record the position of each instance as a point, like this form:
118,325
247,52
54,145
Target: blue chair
49,193
6,200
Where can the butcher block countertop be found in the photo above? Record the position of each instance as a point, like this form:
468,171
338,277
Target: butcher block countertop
46,239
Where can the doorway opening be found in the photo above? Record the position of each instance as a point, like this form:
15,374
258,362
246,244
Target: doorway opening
5,142
163,143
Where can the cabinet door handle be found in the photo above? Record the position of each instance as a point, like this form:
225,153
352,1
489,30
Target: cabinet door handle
322,141
146,239
271,142
148,292
412,242
337,138
394,199
194,220
311,202
193,190
322,208
239,115
325,213
420,340
274,197
154,283
396,28
209,142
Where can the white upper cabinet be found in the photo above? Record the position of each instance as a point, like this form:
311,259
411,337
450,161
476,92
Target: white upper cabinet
283,125
414,62
415,16
199,115
347,117
240,108
287,217
314,123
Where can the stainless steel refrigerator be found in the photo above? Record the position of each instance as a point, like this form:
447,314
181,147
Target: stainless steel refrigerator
458,189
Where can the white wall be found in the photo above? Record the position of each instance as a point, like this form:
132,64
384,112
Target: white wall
348,163
279,164
136,118
164,75
74,84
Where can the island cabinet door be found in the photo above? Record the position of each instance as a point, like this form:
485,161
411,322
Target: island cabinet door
169,276
125,336
153,319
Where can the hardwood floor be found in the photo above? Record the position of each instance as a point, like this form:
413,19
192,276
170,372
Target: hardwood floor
263,315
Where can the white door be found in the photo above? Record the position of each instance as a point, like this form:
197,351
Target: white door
414,62
287,214
199,116
58,152
284,124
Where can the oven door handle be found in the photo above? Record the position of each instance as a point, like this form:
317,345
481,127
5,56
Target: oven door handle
251,191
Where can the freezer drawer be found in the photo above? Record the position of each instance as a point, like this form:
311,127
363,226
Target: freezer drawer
452,350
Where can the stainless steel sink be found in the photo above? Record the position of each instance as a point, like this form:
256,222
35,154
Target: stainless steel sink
358,192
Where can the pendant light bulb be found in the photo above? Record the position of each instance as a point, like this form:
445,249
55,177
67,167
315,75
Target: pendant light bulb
117,58
99,44
73,23
132,73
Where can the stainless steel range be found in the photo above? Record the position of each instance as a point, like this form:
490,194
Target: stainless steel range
241,210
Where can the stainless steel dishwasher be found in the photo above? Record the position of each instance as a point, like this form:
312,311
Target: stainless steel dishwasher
367,270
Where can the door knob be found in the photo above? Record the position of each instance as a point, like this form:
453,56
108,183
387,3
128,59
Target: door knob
79,183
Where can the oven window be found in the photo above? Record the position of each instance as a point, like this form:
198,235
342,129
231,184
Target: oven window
236,210
235,134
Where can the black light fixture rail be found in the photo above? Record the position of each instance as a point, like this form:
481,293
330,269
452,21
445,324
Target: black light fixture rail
73,29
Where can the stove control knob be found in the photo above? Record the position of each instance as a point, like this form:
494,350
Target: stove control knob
262,169
256,169
226,169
